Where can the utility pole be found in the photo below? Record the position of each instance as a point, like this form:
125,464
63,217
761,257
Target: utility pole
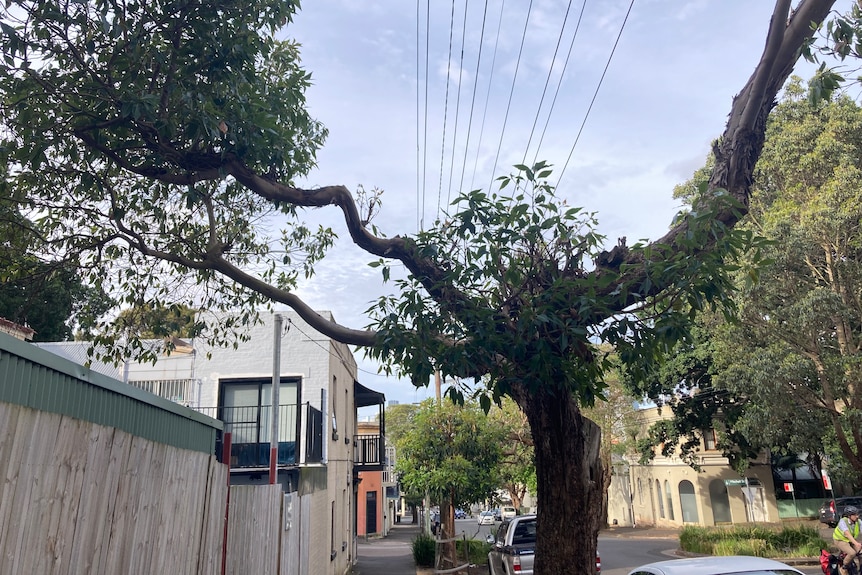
276,383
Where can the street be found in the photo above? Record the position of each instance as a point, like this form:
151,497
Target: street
619,555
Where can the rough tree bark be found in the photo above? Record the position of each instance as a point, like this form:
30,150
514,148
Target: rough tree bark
569,475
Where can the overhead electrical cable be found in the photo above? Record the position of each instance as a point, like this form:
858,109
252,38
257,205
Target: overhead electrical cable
473,101
560,82
418,127
425,129
457,105
596,93
445,107
488,94
511,93
547,81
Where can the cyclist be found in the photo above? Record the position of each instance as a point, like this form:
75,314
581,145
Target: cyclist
846,537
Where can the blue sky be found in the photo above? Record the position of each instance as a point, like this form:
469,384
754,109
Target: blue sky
666,94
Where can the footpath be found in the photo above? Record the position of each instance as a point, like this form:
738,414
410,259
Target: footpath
393,554
390,555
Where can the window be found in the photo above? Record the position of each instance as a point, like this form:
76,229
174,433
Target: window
334,411
658,496
332,552
246,409
710,440
669,498
640,492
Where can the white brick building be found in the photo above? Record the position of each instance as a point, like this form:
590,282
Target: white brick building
317,448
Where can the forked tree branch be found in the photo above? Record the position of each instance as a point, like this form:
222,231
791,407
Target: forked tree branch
736,155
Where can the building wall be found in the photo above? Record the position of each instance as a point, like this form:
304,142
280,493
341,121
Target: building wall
370,481
327,370
715,496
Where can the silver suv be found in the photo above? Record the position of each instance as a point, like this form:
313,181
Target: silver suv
514,545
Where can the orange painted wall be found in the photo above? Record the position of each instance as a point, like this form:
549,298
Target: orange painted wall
370,481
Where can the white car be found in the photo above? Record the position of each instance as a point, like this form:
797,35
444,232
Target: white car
725,565
485,518
508,513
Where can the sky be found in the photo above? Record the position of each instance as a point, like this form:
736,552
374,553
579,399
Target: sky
647,86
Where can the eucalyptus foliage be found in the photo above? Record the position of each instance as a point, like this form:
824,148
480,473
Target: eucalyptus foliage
116,116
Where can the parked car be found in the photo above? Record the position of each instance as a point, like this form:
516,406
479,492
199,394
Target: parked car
513,547
831,510
737,565
485,518
507,512
460,514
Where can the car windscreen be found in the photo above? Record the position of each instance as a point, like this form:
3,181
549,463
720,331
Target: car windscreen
525,532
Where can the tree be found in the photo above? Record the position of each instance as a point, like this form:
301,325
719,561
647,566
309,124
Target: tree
150,322
174,128
47,295
685,384
399,421
798,331
517,471
451,452
615,414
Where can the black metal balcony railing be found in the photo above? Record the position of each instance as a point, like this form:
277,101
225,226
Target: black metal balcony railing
250,428
368,451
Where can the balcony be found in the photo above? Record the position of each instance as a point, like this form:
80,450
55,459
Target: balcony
369,453
250,428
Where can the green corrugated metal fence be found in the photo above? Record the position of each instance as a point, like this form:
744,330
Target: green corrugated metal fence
35,378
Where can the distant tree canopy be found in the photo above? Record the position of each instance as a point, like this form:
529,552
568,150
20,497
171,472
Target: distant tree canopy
799,331
149,322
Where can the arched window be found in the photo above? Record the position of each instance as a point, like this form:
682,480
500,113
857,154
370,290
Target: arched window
658,496
669,497
688,502
640,492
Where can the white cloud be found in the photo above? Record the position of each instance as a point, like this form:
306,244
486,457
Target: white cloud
665,96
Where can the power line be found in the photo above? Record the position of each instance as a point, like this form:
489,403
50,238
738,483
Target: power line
473,102
425,129
596,93
327,350
488,94
511,93
457,105
418,147
446,106
560,81
547,81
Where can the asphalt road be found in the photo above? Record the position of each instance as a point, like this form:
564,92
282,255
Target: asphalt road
619,554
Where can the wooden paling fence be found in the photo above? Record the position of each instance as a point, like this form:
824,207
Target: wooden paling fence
82,498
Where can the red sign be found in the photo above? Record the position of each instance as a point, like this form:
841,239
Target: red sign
827,484
788,487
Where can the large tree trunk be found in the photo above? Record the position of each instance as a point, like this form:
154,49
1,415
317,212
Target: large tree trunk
569,476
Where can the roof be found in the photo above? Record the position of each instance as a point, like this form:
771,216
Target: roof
365,397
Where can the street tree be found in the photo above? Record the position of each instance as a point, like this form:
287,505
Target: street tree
175,129
451,452
399,421
616,416
799,335
49,296
150,322
797,331
517,471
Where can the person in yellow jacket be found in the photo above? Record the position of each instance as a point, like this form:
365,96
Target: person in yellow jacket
846,536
